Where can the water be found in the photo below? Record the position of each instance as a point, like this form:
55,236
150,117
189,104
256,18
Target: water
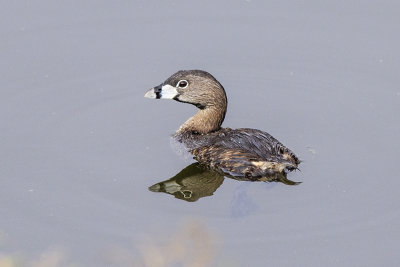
80,145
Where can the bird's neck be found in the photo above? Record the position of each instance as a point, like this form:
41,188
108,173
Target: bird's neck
205,120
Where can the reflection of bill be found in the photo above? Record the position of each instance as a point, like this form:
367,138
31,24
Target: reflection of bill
196,181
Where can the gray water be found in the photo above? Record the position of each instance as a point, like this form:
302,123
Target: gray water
80,145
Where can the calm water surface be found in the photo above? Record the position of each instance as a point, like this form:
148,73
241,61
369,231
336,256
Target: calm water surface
80,146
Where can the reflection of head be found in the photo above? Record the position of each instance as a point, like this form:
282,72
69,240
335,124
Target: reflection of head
192,183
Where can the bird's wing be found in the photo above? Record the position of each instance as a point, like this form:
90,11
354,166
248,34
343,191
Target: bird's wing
237,162
258,142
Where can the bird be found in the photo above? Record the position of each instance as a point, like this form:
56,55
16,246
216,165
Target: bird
242,152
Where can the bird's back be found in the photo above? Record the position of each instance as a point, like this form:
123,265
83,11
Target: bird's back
240,152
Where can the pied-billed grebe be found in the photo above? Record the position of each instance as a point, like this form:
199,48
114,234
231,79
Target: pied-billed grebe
241,152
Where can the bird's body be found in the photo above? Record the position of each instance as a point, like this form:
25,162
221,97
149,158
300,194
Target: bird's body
239,152
243,152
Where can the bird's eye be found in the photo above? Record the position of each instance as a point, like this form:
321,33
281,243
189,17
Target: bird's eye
182,84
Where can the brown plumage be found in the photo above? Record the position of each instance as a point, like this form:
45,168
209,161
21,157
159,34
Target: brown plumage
248,153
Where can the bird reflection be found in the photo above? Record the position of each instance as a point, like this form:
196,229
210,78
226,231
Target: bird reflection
196,181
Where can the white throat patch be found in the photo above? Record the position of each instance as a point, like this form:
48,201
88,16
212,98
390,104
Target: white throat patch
168,92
